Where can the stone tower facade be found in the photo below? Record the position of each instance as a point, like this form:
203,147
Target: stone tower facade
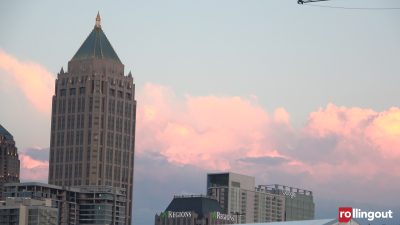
93,120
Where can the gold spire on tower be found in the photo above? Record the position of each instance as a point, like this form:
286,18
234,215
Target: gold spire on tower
98,20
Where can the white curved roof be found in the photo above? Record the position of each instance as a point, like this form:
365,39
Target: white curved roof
307,222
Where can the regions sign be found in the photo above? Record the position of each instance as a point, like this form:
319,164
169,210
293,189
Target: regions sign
221,216
171,214
288,193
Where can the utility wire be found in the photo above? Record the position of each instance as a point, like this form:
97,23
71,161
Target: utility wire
355,8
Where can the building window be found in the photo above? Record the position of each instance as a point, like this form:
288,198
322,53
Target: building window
82,90
72,91
63,92
112,92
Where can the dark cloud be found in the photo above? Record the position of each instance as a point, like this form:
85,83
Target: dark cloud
37,153
265,160
157,181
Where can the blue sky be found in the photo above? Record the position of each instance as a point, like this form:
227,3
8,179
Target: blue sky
261,55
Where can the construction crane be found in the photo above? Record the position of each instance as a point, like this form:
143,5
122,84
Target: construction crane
308,1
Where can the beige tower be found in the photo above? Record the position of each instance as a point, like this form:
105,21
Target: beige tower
93,120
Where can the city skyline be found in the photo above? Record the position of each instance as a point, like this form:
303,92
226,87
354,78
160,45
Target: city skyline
291,94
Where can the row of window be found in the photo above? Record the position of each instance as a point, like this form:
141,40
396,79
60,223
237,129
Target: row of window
118,123
73,80
71,106
82,91
71,138
70,171
120,94
73,91
58,155
62,105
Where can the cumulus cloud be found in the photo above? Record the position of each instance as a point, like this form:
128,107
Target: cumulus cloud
37,153
32,79
206,131
349,145
337,145
33,169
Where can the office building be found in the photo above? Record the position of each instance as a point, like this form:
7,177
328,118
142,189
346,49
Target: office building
9,162
193,210
76,205
299,203
237,195
93,120
27,211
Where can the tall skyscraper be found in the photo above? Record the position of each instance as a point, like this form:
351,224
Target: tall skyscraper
9,162
93,120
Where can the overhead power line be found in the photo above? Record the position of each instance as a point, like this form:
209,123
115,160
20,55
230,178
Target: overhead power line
356,8
305,2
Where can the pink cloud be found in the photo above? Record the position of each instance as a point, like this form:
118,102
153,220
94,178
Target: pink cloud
377,131
32,169
338,144
35,82
282,116
384,132
206,131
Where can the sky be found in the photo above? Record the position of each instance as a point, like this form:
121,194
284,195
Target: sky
292,94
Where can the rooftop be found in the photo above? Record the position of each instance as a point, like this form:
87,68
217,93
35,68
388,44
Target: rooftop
308,222
5,133
199,204
96,45
279,187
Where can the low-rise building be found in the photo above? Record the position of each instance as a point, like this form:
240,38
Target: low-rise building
193,210
27,211
92,205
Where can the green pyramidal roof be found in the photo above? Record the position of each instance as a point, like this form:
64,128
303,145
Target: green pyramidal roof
96,46
5,133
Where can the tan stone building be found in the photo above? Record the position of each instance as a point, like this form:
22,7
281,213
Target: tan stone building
93,120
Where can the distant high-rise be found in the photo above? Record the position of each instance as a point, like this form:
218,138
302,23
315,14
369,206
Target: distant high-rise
299,203
9,162
237,195
93,120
